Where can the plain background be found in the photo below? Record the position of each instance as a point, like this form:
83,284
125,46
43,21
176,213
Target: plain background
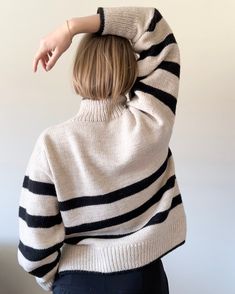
203,141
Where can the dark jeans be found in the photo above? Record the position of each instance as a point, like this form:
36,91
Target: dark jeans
149,279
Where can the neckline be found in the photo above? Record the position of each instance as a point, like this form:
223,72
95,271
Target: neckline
100,110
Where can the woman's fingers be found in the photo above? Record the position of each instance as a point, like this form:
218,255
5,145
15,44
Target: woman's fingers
51,47
48,59
44,57
35,64
52,60
38,56
43,63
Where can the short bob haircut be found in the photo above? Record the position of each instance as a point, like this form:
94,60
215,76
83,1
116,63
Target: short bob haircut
104,67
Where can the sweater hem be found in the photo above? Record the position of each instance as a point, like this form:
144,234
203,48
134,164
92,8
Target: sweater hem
155,242
124,271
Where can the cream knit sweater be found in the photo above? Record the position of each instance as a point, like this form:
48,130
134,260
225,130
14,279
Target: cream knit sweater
100,191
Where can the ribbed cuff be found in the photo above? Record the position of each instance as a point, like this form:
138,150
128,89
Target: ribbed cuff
120,21
100,11
46,285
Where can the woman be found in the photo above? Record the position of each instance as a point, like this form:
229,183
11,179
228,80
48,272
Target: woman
100,203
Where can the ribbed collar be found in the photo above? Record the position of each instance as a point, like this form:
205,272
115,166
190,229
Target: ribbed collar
100,110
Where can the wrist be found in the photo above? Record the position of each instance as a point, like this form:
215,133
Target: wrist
69,30
74,26
85,24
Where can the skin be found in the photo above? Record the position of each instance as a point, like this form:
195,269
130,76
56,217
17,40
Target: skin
53,45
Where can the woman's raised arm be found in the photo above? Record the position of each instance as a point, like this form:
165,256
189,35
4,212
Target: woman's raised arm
155,91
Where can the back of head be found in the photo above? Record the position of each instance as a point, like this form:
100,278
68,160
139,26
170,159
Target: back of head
104,67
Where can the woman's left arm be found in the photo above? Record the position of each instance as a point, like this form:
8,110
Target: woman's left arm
41,230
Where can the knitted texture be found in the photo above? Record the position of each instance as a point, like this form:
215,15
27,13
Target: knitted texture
100,192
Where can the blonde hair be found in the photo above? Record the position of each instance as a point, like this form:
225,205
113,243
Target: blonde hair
104,67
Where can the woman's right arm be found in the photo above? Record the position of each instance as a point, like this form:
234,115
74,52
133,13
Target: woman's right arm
85,24
59,40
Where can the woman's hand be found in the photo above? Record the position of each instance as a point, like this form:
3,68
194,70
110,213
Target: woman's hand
52,46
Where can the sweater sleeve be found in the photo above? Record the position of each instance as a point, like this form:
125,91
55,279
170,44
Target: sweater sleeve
156,88
41,230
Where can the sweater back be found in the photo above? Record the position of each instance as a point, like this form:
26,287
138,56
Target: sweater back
100,191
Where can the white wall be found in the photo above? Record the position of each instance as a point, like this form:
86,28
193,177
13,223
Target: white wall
203,141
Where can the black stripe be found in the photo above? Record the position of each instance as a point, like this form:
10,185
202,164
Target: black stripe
40,188
158,218
156,49
37,254
161,216
116,195
100,11
117,220
168,99
155,19
34,221
44,269
170,66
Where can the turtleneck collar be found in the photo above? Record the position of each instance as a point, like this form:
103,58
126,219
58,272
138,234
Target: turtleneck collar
100,110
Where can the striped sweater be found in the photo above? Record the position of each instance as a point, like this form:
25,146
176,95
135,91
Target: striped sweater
100,191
